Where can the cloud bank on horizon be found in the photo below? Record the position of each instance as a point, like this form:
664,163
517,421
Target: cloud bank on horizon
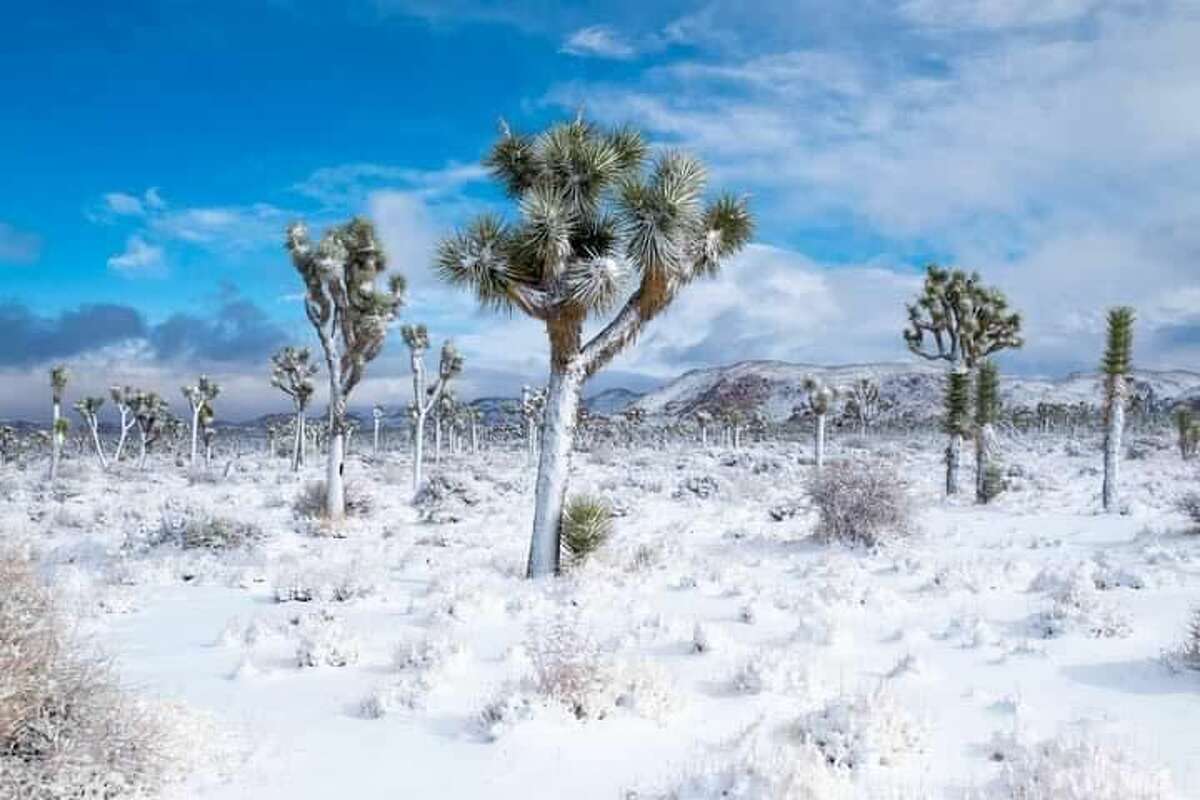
1054,146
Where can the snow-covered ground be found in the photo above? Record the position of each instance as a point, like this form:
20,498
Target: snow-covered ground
409,658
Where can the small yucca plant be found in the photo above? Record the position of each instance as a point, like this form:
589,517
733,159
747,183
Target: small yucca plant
587,524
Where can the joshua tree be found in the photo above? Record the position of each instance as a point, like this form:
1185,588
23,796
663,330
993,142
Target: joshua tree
703,420
863,401
123,397
351,316
1189,432
1118,357
208,432
533,405
148,412
377,413
89,410
425,399
956,419
58,429
958,320
292,372
443,410
987,405
821,397
590,213
199,396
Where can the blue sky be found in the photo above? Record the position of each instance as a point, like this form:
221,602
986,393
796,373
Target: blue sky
152,153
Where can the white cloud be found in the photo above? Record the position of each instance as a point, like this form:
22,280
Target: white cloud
140,258
599,41
125,205
17,246
350,184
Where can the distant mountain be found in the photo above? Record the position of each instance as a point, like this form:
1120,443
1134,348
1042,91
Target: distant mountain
774,388
611,401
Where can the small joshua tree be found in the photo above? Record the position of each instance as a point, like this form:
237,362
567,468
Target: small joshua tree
202,394
1188,430
958,320
820,399
292,371
863,400
377,413
58,429
208,432
89,409
351,315
703,420
591,214
425,399
987,405
123,397
1116,365
148,412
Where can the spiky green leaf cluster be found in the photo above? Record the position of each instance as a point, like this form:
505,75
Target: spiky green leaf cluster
958,319
1118,349
595,220
820,395
987,394
58,381
587,523
956,409
451,363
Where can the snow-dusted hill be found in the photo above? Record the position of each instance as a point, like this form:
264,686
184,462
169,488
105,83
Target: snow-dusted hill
774,387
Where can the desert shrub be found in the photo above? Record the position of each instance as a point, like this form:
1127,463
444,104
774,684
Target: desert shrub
995,482
587,523
323,641
1078,607
310,503
1188,504
66,729
860,502
700,486
1076,768
1187,655
441,497
763,775
195,529
862,730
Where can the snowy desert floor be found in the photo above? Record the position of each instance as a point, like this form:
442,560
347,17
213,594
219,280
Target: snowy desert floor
706,645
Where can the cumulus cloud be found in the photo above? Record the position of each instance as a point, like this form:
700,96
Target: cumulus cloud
17,246
598,41
138,259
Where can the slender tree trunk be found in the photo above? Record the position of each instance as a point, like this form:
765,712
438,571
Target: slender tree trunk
96,441
819,442
195,435
983,460
554,463
141,448
56,442
418,450
124,433
474,437
1110,493
335,486
375,440
297,441
953,457
437,439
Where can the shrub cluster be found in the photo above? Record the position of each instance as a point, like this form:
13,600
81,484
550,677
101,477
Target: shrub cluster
860,502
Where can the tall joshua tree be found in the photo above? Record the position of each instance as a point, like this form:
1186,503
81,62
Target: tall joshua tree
821,397
148,411
377,412
987,405
89,410
958,320
58,429
292,371
864,401
351,315
704,418
425,398
123,397
591,214
1116,365
202,394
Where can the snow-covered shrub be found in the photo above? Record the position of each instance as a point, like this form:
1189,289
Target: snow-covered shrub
586,526
774,670
1078,606
1187,654
192,528
66,729
701,486
310,503
336,584
860,502
1076,768
781,774
865,729
324,641
441,499
1188,504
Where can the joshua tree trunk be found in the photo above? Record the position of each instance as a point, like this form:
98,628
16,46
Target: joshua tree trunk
983,460
56,442
418,450
195,435
474,437
437,439
298,442
554,463
953,457
704,436
375,439
335,487
99,447
819,442
1112,445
